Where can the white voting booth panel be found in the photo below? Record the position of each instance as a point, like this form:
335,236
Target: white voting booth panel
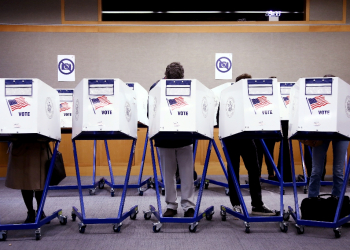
285,88
250,108
141,99
66,107
320,105
217,92
28,107
105,108
181,106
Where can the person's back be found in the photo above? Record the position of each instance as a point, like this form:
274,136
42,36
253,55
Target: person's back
175,153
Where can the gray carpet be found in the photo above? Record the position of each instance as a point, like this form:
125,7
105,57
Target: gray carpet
138,234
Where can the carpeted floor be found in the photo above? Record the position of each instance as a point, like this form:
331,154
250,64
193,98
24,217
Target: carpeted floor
138,234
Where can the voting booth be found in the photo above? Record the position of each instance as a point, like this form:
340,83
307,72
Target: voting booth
29,111
185,106
285,89
66,107
217,93
250,109
320,108
180,109
141,101
29,107
104,109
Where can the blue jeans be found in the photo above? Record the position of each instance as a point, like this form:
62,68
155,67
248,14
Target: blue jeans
318,156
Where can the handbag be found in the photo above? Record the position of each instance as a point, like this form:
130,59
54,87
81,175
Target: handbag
58,172
321,209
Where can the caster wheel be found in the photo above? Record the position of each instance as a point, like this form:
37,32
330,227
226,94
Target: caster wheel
92,191
209,216
37,236
147,216
283,227
337,233
206,185
227,191
284,192
192,228
155,229
3,236
140,193
116,228
82,229
247,230
112,194
133,216
101,184
246,182
300,229
305,190
74,217
286,216
163,191
63,220
223,215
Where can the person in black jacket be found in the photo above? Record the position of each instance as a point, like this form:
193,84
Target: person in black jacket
176,153
246,149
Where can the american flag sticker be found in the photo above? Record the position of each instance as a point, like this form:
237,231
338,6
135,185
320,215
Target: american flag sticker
177,102
64,106
317,101
260,102
17,103
99,102
286,100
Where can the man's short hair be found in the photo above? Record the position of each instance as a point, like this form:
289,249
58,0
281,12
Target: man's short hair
243,76
174,71
329,75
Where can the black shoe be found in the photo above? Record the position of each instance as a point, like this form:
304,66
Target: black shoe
273,178
189,212
170,213
30,217
43,216
263,211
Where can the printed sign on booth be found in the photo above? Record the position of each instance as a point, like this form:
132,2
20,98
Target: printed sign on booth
66,68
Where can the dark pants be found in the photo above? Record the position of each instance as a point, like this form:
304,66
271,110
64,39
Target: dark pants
308,162
247,149
270,144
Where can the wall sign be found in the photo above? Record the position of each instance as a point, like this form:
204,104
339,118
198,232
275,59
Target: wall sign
66,68
223,66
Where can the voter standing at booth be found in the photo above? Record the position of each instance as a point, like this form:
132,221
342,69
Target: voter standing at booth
175,153
247,149
26,171
319,154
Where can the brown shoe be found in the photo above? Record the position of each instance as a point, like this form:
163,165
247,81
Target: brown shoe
170,213
189,212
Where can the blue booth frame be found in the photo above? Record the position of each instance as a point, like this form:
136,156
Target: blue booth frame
337,222
117,222
281,217
193,222
111,184
38,223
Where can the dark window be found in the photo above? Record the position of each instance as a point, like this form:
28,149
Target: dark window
225,11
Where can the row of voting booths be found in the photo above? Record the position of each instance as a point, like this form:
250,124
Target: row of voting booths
109,109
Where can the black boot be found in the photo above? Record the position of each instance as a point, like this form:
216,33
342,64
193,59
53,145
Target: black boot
30,217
